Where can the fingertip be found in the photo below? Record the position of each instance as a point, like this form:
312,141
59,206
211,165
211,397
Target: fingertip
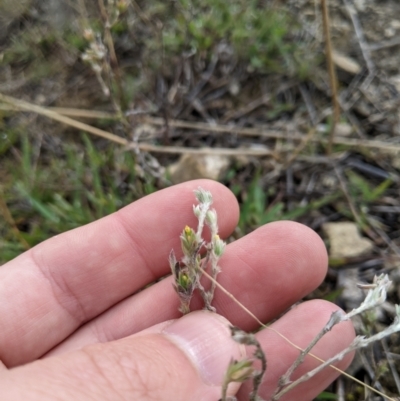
302,246
270,269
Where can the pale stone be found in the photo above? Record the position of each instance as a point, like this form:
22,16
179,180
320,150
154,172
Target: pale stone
345,240
191,167
343,129
346,63
395,24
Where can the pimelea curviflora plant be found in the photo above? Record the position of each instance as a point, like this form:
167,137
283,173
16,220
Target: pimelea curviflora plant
188,272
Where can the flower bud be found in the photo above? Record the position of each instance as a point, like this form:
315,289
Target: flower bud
184,282
122,5
197,210
203,196
218,246
211,217
189,242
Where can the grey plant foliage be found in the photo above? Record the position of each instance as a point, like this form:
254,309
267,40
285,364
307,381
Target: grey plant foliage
375,296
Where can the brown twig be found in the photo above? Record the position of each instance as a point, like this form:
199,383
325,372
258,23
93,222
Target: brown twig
113,56
15,104
21,104
332,74
122,141
300,147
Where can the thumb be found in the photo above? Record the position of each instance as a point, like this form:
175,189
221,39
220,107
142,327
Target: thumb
184,359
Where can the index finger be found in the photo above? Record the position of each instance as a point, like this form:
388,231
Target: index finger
49,291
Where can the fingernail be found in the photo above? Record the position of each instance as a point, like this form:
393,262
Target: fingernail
205,338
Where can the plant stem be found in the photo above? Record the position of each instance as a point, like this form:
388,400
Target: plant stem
335,318
113,57
332,73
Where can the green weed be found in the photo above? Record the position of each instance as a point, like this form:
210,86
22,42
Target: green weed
362,194
363,191
51,195
259,34
327,396
255,210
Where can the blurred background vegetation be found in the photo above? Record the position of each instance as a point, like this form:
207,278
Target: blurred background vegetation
236,91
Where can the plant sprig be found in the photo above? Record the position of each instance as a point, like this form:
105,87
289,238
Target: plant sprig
187,273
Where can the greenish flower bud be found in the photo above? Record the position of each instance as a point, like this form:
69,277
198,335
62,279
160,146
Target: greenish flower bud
122,5
218,245
189,241
184,282
196,210
203,196
211,217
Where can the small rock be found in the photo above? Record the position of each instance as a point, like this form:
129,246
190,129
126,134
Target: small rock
234,87
191,167
395,24
389,32
345,240
346,63
343,129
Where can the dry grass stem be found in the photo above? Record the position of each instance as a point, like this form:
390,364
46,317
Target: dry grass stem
332,73
113,57
56,113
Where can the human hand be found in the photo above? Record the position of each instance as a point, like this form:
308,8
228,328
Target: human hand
78,322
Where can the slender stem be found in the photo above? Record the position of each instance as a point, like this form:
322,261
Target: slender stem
358,342
335,318
257,379
205,295
214,273
332,73
113,56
